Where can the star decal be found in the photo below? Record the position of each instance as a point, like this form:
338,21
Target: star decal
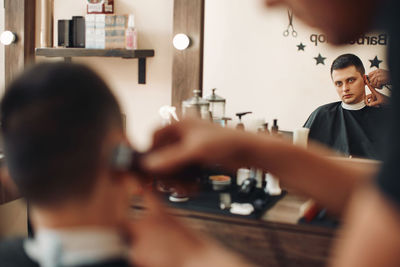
320,59
375,62
300,47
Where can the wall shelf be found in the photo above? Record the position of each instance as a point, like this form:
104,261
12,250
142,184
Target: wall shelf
68,53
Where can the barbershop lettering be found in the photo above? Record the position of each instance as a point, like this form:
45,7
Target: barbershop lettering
318,38
381,39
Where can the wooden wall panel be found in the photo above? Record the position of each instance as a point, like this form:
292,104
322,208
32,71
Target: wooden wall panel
187,70
19,17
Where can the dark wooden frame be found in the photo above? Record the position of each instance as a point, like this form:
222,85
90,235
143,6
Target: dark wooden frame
187,69
20,19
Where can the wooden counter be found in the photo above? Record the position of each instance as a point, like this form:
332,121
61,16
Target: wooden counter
274,240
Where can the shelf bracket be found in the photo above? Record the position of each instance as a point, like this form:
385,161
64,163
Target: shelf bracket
142,70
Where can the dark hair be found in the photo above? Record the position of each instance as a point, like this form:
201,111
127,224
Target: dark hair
348,60
54,119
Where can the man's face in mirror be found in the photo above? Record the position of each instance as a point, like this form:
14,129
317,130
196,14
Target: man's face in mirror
349,84
341,20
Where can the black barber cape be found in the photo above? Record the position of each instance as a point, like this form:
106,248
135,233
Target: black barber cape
357,133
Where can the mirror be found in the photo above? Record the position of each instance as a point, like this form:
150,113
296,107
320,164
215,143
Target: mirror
256,62
255,67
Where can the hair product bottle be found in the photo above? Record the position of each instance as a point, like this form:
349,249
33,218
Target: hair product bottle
240,125
131,34
275,128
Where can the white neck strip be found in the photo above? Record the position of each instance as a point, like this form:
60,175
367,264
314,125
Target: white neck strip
357,106
71,247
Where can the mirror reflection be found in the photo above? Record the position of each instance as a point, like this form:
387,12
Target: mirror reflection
352,126
288,77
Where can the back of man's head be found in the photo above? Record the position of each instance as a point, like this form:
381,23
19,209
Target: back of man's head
55,119
347,60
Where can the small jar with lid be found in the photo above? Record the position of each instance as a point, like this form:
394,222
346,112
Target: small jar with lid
217,105
196,106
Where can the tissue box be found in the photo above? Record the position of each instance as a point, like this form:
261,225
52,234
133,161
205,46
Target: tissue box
90,31
115,31
100,31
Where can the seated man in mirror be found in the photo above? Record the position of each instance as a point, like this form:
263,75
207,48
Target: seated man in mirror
349,126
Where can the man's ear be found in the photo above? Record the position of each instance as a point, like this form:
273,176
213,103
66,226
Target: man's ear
366,79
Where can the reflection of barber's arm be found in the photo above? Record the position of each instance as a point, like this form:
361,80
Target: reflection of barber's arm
375,99
379,78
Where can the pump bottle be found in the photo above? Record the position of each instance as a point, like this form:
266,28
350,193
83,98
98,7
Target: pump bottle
240,125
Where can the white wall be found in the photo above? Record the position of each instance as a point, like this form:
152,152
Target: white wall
258,69
140,102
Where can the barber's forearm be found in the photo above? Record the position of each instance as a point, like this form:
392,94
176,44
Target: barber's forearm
309,171
371,236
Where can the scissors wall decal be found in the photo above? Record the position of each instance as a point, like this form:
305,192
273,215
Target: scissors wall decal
290,26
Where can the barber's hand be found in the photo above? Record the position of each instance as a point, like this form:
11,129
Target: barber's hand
379,78
375,99
160,240
192,142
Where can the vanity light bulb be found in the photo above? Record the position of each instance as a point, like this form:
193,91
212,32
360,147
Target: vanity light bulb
7,38
181,41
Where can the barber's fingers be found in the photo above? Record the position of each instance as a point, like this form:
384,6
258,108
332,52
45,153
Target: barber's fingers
166,136
176,131
375,81
170,158
368,99
372,101
367,82
379,78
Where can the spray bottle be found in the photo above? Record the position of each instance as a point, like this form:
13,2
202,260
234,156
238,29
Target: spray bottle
131,34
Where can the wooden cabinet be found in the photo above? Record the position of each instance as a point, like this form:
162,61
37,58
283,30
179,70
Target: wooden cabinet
270,241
